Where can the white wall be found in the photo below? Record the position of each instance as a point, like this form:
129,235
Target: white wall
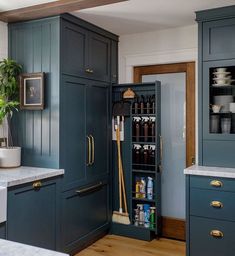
3,40
158,47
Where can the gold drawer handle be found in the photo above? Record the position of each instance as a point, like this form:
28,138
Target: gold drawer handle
37,185
216,183
216,204
216,234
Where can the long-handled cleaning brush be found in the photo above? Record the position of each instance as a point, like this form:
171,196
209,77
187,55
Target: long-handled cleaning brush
120,216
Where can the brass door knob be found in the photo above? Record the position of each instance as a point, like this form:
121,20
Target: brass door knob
37,185
216,234
216,183
216,204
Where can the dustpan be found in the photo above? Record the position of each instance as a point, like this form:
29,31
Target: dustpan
121,108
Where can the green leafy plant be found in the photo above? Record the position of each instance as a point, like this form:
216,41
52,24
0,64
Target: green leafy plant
9,88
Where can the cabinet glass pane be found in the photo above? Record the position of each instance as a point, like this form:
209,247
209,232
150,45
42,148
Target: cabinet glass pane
221,100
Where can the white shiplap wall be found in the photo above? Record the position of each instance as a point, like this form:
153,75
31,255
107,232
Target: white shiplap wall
3,40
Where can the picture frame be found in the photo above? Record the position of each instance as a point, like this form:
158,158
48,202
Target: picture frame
32,91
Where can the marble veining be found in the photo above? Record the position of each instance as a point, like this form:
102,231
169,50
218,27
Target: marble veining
8,248
24,174
210,171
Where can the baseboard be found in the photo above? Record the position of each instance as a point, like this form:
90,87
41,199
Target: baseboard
173,228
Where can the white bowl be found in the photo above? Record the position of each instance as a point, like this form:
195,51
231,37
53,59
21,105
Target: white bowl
223,100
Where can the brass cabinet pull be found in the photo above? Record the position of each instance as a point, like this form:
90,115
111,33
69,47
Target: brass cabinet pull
37,185
216,183
89,189
90,71
93,149
216,204
89,150
216,234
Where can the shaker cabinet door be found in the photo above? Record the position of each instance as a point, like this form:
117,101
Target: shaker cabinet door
83,213
98,120
73,131
74,49
99,57
31,217
219,39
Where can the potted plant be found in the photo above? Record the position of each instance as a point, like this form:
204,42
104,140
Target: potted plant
10,156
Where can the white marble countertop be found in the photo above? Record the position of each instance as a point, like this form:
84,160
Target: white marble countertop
210,171
21,175
8,248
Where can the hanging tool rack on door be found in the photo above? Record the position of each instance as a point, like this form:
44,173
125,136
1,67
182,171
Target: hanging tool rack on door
141,148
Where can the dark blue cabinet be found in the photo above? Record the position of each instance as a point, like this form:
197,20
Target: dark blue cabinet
74,49
216,50
32,214
210,216
85,53
219,39
73,132
85,214
2,230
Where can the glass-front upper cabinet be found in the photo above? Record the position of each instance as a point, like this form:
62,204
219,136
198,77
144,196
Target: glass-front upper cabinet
219,99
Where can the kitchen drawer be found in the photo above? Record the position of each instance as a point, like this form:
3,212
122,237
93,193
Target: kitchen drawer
202,243
221,184
223,207
84,211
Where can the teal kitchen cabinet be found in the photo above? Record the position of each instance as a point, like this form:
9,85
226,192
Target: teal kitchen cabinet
32,213
216,50
85,215
210,215
85,133
73,132
85,53
2,230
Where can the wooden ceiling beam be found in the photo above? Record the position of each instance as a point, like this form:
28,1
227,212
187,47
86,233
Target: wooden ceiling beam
51,9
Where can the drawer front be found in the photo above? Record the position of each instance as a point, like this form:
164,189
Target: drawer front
203,243
214,183
212,204
219,39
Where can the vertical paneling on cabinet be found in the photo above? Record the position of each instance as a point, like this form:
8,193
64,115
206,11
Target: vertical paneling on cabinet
73,131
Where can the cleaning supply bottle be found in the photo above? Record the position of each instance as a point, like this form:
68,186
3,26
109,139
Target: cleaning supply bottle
150,188
143,187
141,214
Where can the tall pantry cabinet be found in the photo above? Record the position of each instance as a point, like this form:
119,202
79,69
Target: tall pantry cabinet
73,132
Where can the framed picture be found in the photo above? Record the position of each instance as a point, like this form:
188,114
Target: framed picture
32,91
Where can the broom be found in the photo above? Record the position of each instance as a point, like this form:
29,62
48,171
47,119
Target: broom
120,216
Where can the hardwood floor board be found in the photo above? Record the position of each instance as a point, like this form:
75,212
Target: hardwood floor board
112,245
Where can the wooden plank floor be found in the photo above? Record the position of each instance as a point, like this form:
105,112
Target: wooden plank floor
112,245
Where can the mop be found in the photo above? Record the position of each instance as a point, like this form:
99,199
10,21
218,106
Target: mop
121,109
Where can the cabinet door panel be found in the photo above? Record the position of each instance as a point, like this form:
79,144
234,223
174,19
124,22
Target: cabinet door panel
74,49
99,57
32,215
219,39
73,131
98,128
83,213
203,244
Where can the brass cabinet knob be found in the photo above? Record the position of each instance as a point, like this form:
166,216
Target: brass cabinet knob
90,71
216,183
37,185
216,204
216,234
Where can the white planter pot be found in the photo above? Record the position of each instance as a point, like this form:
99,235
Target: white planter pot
10,157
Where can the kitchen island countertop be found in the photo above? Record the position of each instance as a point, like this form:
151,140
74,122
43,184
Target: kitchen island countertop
24,174
8,248
222,172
